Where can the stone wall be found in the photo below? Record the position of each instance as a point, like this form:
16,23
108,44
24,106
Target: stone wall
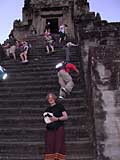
105,57
105,81
100,44
35,14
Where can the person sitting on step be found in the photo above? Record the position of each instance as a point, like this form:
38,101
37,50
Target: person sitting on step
12,43
24,51
49,42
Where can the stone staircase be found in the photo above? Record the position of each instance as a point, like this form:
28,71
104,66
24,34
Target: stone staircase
22,102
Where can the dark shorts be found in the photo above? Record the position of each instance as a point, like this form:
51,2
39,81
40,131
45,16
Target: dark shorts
62,35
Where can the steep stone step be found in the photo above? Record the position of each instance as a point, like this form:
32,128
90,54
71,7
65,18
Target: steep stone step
34,72
35,134
35,157
39,61
41,50
43,62
40,107
37,111
37,121
29,106
48,88
23,101
35,90
29,77
56,54
39,117
57,59
17,74
39,102
40,76
23,97
39,94
33,148
31,67
45,88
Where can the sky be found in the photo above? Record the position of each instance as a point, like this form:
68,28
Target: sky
12,9
108,9
9,11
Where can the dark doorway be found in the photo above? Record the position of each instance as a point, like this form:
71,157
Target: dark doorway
53,25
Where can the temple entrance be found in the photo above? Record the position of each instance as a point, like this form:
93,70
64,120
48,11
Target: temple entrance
53,24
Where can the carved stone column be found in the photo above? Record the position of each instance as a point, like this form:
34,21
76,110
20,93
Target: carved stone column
67,19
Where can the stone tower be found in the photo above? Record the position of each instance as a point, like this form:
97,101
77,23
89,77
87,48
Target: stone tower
36,13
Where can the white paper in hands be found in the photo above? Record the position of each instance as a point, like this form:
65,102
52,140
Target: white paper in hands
47,116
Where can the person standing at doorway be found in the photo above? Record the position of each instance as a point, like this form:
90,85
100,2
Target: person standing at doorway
48,27
54,117
33,31
66,31
61,33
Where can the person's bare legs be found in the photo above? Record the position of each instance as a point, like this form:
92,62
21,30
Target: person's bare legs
22,56
52,48
14,56
47,48
25,57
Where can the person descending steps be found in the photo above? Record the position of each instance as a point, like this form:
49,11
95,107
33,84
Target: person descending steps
64,78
